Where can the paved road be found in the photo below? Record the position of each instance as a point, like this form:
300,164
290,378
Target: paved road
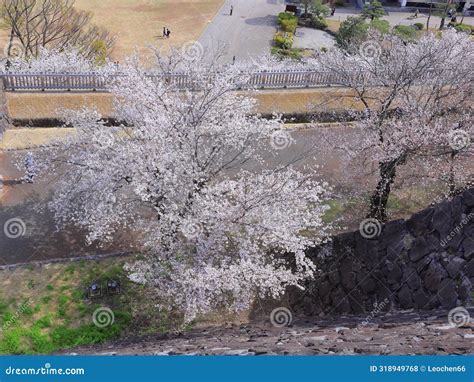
246,34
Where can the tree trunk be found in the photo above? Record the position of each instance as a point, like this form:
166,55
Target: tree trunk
429,16
379,198
452,180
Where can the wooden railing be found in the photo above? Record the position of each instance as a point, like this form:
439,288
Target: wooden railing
94,82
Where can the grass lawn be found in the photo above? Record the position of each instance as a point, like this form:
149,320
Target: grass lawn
138,23
44,309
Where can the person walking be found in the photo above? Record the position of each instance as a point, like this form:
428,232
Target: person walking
231,10
164,32
333,10
30,170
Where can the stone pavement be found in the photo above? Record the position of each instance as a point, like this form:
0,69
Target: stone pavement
395,333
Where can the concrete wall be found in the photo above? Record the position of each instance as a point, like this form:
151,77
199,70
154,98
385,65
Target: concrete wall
424,262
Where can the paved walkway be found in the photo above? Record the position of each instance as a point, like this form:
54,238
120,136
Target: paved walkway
249,32
246,34
310,38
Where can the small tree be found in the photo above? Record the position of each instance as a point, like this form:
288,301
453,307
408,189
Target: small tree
51,24
373,10
414,96
318,9
352,32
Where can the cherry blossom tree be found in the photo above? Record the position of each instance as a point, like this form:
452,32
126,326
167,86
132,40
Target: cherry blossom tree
413,96
186,171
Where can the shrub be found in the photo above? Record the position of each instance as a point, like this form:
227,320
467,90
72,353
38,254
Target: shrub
383,26
284,40
462,27
287,53
319,23
406,32
419,26
352,30
289,25
286,16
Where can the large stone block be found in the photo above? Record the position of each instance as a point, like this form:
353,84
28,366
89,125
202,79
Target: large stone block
434,275
420,299
419,223
419,249
464,290
447,293
454,266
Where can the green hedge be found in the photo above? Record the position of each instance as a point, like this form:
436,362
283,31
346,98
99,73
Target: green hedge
406,32
462,27
284,40
288,21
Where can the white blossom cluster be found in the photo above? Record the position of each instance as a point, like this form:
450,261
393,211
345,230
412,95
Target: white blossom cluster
186,172
50,61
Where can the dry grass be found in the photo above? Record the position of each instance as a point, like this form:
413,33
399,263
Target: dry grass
20,139
40,105
138,23
333,25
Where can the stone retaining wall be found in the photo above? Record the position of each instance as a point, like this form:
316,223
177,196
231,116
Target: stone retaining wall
424,262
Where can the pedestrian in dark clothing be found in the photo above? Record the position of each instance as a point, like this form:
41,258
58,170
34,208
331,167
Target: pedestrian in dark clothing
30,168
164,32
231,10
333,10
168,32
